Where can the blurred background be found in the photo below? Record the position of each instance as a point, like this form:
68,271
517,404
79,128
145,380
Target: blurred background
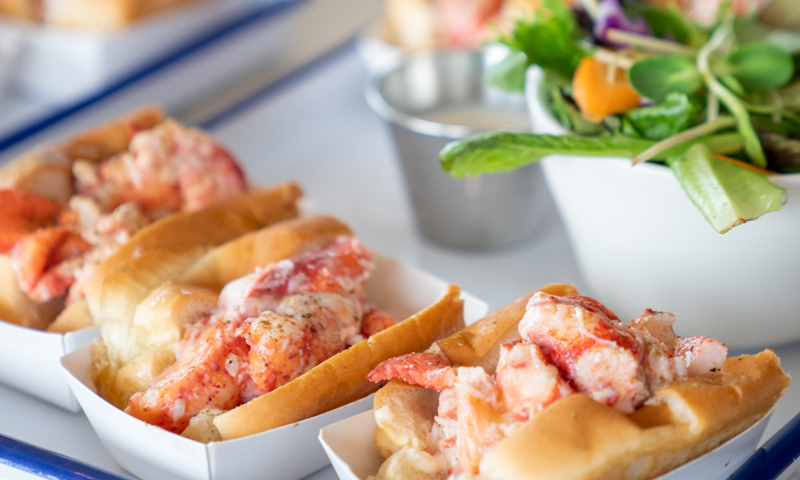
354,99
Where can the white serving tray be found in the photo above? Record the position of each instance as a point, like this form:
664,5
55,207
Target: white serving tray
29,361
351,449
63,63
284,453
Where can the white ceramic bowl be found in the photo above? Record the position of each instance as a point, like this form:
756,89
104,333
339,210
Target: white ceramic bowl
641,243
284,453
351,449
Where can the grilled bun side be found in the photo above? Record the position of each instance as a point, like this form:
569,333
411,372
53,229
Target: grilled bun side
479,343
47,170
110,138
578,438
164,249
160,319
260,248
16,307
404,413
342,378
121,369
139,312
75,317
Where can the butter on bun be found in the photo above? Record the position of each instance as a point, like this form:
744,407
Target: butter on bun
579,434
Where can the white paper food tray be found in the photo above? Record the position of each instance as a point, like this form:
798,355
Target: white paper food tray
29,361
351,449
62,63
288,452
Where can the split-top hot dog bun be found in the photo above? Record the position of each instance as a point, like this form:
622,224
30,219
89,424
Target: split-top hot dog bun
47,171
577,437
405,412
239,257
342,378
137,321
164,249
120,370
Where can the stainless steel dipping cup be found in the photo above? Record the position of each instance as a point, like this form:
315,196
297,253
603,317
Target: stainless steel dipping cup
433,98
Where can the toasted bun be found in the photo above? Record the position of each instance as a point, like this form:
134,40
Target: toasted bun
121,369
578,438
16,307
75,317
404,416
342,378
260,248
164,249
110,138
135,352
47,171
478,345
138,330
413,464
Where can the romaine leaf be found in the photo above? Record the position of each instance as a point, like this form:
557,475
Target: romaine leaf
657,122
725,193
497,152
657,77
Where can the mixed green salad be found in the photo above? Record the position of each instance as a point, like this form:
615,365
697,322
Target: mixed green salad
719,105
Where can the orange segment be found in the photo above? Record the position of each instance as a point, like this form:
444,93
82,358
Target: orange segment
598,97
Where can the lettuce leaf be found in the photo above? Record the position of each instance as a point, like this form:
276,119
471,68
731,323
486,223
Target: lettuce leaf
497,152
549,40
726,194
668,118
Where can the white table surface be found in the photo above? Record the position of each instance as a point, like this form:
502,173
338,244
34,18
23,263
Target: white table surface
320,131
